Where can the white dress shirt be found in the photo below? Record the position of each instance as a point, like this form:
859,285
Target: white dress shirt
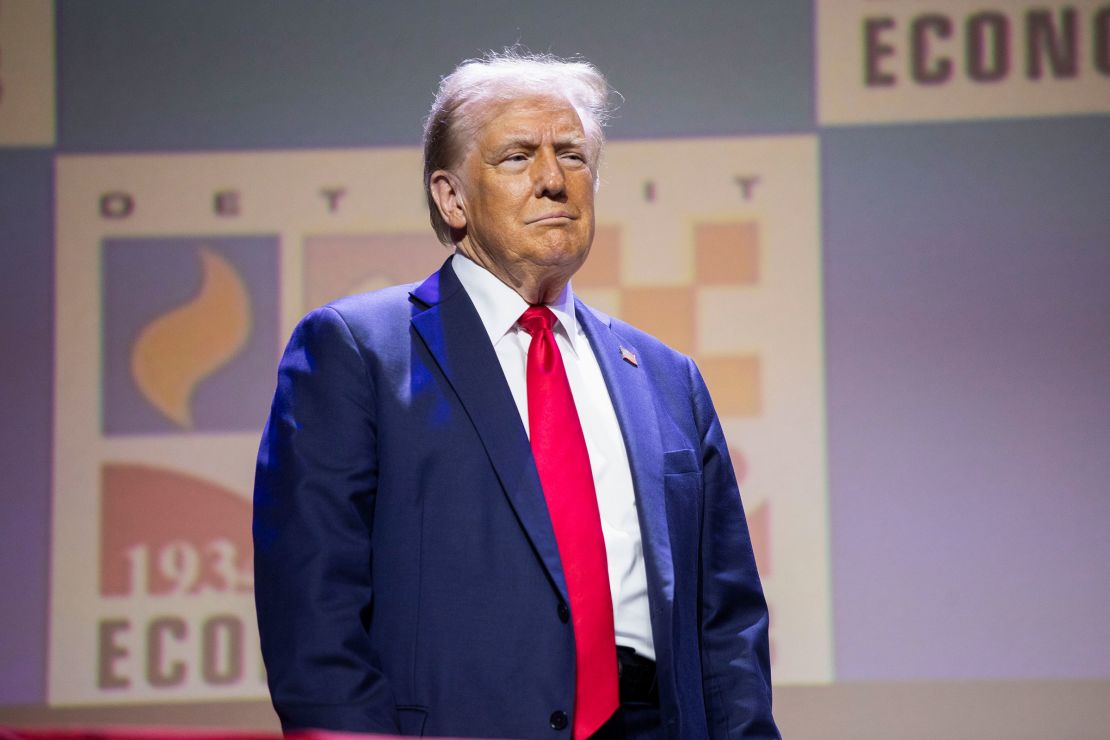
499,307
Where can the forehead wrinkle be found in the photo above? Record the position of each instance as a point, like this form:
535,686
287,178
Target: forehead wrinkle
565,125
533,141
572,139
522,139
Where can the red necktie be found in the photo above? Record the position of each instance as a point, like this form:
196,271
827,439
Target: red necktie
568,486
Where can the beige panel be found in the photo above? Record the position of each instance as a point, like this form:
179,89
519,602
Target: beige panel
26,73
926,60
642,269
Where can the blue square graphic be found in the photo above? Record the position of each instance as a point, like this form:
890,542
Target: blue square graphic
190,333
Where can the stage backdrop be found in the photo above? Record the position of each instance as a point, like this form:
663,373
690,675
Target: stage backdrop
880,228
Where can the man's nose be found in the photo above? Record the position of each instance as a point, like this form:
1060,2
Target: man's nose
548,178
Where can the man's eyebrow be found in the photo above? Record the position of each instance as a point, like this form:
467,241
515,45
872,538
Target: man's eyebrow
519,140
529,141
570,140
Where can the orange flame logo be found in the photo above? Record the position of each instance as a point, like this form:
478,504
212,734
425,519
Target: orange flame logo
176,351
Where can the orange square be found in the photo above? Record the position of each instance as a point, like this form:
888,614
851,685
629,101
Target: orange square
603,267
665,311
734,382
727,253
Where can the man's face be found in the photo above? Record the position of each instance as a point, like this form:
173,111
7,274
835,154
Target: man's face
527,189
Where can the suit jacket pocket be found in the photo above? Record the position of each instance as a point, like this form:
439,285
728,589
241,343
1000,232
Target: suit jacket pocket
682,483
412,720
677,462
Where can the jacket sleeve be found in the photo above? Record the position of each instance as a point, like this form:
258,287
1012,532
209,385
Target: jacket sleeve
736,672
313,517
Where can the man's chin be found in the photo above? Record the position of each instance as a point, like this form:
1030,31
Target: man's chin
562,256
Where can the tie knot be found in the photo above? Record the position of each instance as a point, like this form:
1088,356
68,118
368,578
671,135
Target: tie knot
537,319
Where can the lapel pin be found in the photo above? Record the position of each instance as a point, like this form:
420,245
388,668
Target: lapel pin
629,356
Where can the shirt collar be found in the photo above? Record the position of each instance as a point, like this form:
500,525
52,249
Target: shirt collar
499,306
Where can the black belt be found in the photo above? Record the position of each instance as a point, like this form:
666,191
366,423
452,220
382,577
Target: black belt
637,677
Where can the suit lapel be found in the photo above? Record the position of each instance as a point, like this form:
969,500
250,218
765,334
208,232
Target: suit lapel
633,400
451,329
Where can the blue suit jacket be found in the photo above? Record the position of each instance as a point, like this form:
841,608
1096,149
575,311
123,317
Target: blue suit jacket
407,577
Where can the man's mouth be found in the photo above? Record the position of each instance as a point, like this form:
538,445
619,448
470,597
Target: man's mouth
552,216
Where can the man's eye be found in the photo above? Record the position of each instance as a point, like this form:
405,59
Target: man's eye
516,158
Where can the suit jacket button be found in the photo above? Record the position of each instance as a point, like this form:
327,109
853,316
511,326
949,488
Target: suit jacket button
559,720
564,613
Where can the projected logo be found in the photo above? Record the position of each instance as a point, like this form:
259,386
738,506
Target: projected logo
190,325
170,329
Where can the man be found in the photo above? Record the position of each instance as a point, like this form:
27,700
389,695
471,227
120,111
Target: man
484,509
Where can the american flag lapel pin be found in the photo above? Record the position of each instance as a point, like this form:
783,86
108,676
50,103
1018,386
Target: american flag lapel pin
629,356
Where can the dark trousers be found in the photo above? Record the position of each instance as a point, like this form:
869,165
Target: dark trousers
633,721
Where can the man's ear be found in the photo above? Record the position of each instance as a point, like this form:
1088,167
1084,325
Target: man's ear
447,194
